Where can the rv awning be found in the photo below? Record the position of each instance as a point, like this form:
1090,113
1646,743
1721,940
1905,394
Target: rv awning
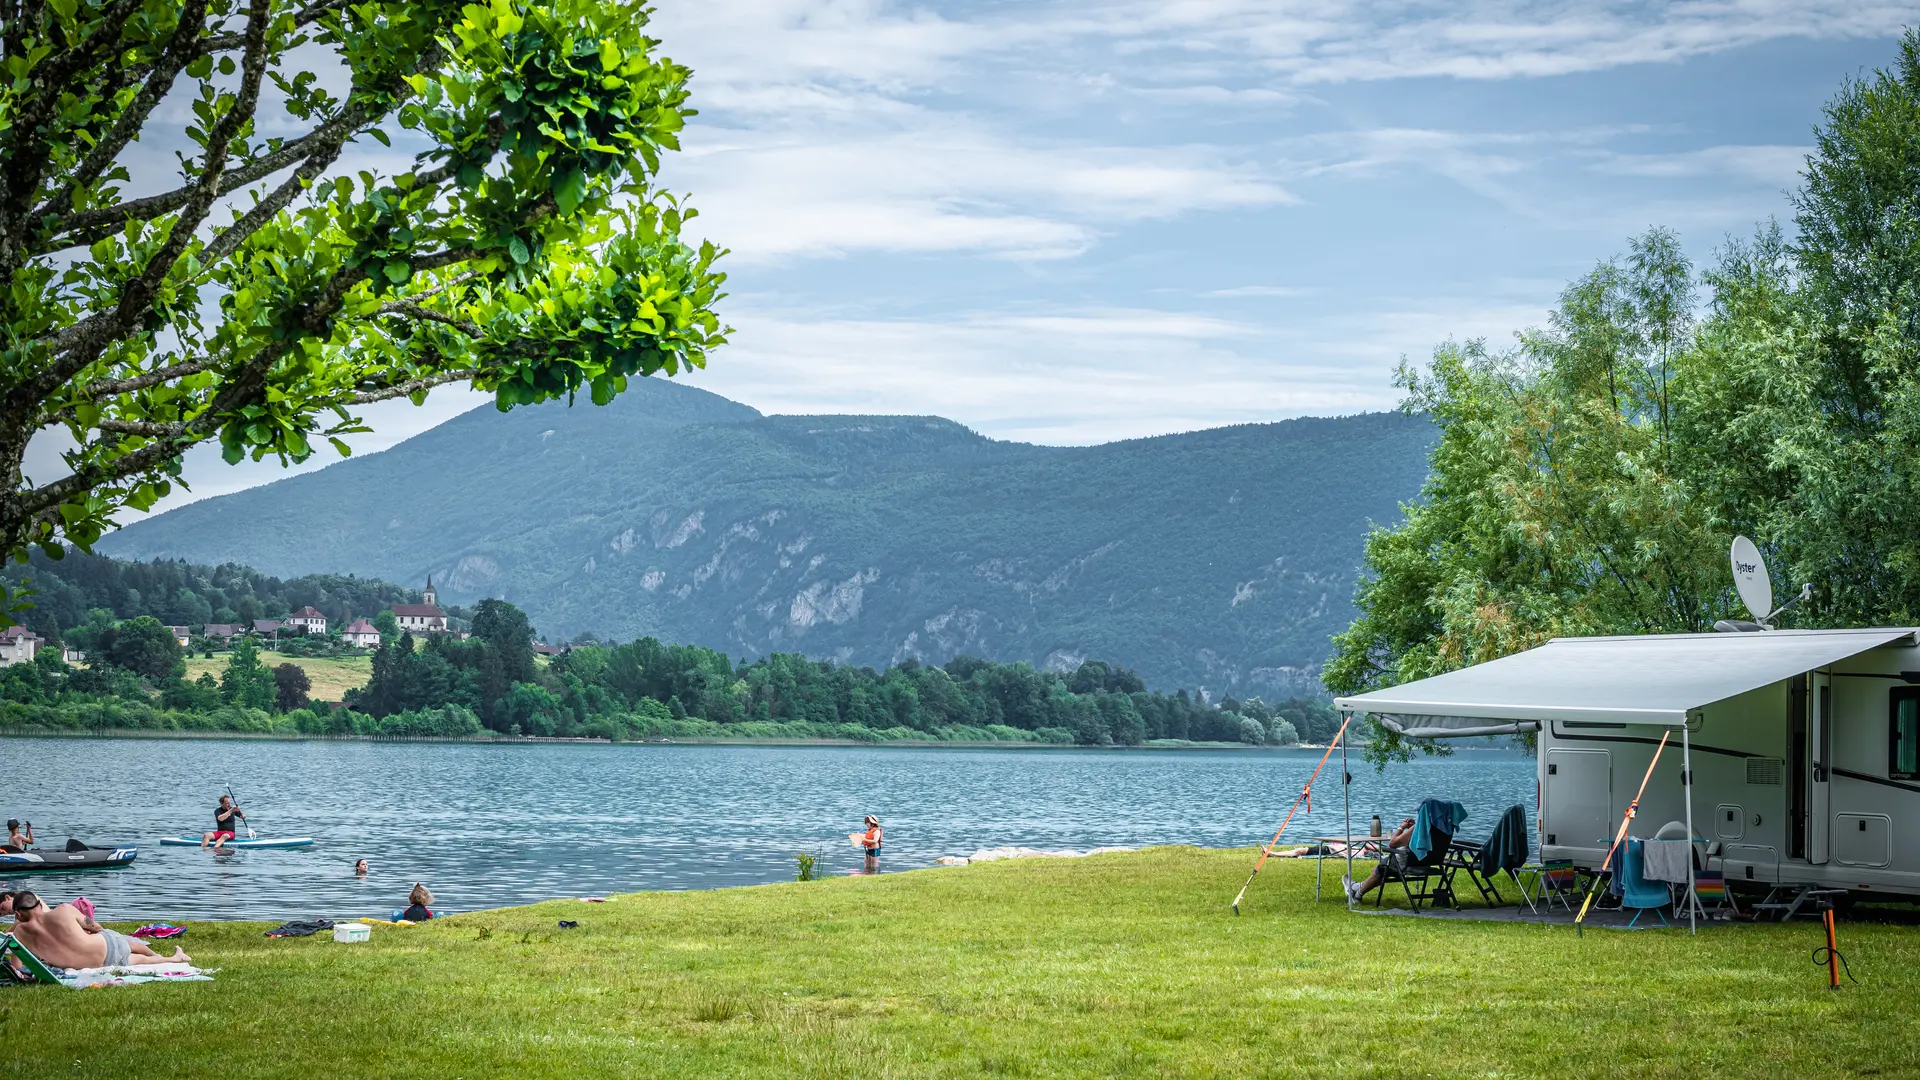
1653,679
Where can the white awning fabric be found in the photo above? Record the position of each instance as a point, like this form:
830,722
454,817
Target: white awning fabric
1653,679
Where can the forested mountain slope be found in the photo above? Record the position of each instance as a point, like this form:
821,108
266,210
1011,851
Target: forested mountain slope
1222,558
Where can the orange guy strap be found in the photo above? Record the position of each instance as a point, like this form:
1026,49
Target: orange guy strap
1306,796
1621,836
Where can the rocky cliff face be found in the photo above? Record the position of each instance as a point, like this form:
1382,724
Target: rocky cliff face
1221,559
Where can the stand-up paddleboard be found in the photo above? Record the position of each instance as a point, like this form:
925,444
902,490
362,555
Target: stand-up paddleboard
242,845
91,858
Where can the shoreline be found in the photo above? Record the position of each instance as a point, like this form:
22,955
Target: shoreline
535,740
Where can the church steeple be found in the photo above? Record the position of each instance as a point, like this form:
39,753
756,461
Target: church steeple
429,597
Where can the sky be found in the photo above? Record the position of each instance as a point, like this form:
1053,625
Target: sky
1070,222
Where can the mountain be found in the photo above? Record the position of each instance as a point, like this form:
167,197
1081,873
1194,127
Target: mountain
1223,559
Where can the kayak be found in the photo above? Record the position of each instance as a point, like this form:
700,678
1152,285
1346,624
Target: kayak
242,845
91,858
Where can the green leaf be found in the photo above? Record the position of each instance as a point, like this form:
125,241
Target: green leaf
201,67
570,190
518,249
398,271
380,135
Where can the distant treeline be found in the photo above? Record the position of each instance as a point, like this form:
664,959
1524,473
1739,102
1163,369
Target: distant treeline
182,594
594,687
438,686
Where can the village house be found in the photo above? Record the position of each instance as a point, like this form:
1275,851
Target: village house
182,635
266,626
307,620
224,631
73,656
362,633
425,618
18,645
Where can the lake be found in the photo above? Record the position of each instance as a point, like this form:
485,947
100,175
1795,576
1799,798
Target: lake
488,825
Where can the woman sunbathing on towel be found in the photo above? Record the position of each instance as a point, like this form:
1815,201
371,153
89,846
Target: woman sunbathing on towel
59,938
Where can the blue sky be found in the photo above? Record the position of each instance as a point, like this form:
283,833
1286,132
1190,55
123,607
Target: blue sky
1069,222
1072,222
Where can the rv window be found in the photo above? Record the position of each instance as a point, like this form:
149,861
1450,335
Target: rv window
1903,738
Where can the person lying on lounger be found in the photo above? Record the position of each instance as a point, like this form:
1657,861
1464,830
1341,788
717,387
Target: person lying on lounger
1394,858
80,904
58,937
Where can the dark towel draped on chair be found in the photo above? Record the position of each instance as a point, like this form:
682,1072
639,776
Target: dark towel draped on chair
1507,848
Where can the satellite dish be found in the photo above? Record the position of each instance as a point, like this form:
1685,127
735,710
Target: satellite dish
1751,580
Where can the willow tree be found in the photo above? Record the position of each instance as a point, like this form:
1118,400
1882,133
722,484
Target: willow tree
263,293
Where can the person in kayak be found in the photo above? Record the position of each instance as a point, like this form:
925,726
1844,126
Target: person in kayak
870,843
18,841
59,937
226,818
417,902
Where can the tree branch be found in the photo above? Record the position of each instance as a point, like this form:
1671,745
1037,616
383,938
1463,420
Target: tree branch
178,53
413,386
144,427
410,306
23,145
80,344
307,16
106,388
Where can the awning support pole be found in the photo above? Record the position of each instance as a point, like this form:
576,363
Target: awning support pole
1346,804
1686,782
1620,837
1306,795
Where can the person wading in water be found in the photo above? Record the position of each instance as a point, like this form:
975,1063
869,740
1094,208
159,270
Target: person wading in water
870,843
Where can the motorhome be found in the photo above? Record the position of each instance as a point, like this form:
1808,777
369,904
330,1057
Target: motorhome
1804,745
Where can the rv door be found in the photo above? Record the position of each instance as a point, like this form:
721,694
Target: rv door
1819,766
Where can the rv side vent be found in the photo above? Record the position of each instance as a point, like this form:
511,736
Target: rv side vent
1766,770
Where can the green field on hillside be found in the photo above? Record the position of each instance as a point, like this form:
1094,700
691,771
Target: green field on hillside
1116,965
331,678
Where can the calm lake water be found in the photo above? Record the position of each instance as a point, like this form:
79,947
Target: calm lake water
487,825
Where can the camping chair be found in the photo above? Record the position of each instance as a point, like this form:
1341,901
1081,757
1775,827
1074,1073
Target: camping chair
1426,880
15,957
1635,890
1553,879
1503,852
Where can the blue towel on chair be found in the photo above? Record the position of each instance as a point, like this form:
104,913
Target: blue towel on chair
1636,890
1434,815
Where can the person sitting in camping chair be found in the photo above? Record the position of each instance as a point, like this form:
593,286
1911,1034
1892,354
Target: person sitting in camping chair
1392,860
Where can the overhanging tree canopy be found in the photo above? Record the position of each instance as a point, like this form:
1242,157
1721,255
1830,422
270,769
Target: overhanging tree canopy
257,298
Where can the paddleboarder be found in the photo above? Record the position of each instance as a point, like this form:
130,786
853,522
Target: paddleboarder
226,818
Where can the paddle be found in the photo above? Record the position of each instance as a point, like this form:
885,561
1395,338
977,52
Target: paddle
236,806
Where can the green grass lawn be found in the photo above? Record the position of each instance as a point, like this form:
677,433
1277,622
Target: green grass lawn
1117,965
331,678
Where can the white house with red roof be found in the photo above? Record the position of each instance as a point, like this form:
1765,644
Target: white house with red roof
425,618
362,633
307,620
18,645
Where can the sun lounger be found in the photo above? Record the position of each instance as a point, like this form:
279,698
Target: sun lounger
18,958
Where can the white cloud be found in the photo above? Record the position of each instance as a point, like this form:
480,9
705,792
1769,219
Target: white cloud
942,184
1779,166
1281,292
1096,374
